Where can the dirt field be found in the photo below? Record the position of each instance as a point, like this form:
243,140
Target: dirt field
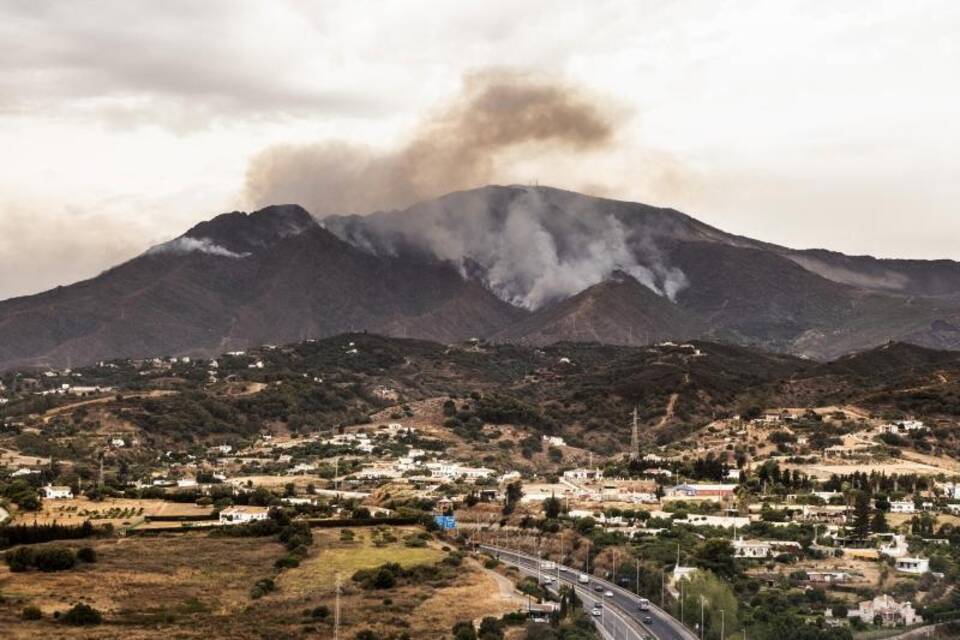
120,512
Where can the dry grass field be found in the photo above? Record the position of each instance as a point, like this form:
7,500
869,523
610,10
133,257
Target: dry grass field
120,512
195,586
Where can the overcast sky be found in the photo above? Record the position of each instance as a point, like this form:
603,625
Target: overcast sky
802,123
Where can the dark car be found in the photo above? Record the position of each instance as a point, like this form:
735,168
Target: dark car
647,620
598,588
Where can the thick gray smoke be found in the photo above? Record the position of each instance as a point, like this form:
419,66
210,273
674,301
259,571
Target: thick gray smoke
455,148
530,245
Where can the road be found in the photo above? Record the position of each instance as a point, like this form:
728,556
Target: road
626,620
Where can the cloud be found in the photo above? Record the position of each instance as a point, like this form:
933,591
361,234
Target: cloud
43,247
180,65
456,147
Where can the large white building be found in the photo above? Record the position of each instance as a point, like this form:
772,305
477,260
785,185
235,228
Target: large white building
453,471
52,492
242,514
890,612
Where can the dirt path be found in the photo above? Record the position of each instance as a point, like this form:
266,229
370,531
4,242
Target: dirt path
56,411
671,404
508,594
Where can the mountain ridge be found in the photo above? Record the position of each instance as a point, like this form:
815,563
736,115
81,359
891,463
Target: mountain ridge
526,264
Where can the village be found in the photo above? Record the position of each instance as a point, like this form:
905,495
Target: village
838,501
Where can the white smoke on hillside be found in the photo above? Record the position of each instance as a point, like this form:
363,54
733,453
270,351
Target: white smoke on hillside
530,246
186,244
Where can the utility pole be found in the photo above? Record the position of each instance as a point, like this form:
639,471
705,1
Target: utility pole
635,438
722,624
701,617
663,594
336,611
638,577
682,621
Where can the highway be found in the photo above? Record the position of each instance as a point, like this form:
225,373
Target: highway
623,608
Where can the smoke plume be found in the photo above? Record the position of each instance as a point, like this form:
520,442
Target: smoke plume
531,247
455,148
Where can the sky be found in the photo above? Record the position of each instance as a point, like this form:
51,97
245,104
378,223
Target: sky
807,124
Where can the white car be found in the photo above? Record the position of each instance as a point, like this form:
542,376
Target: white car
608,594
597,612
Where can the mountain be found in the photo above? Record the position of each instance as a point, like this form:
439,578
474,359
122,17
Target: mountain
237,280
509,263
619,310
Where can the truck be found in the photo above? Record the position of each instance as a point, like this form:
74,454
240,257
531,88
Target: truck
583,579
548,565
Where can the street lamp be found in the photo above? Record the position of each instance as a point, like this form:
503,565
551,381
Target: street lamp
722,624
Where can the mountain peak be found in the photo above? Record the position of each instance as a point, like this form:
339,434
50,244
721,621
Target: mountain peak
242,233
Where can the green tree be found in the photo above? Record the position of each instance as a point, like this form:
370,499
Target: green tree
718,595
861,515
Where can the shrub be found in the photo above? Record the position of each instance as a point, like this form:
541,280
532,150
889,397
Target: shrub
320,613
262,588
31,613
54,559
45,559
82,615
287,562
87,554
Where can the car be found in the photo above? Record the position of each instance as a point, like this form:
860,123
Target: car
598,588
647,620
564,569
644,604
597,612
608,594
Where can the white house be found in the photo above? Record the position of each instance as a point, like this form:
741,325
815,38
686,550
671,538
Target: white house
751,549
902,506
763,548
118,442
185,483
52,492
914,565
703,490
891,612
583,474
242,514
452,471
